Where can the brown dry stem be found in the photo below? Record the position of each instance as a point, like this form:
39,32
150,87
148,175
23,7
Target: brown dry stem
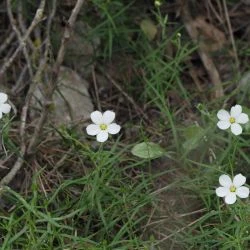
38,76
129,98
37,19
55,71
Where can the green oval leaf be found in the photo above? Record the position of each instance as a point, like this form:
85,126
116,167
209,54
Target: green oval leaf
148,150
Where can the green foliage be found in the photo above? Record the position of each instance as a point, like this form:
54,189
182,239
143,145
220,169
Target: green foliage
193,136
148,150
83,213
105,207
113,27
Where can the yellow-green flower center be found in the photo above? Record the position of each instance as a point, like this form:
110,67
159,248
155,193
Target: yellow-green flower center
232,120
103,126
232,188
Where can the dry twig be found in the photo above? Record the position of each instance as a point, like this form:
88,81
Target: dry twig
19,36
37,78
7,41
96,89
55,71
38,17
129,98
20,160
231,34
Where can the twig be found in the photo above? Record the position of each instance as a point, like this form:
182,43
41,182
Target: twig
55,71
177,231
43,62
18,164
67,33
193,212
130,99
48,29
96,89
20,160
17,87
7,41
22,25
148,223
47,48
19,36
231,35
2,162
38,17
215,12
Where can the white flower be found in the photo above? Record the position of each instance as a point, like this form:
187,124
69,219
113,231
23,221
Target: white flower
102,125
230,189
233,120
4,107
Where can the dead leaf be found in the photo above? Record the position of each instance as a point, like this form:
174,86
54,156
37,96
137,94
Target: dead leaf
211,38
148,28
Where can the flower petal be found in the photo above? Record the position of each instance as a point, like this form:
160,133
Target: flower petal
3,97
225,181
96,117
223,124
236,129
223,115
236,111
242,192
222,191
108,117
230,198
5,108
102,136
114,128
239,180
242,118
93,129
